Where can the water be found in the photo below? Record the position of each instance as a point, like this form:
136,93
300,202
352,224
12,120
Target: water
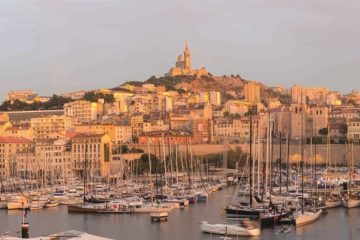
182,224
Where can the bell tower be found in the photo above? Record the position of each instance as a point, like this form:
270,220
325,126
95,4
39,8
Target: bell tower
187,57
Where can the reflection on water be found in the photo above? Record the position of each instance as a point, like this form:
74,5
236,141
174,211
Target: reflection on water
182,224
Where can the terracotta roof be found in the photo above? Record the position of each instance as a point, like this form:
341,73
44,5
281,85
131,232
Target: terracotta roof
14,140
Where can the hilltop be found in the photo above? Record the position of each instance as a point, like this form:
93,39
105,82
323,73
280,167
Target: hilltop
231,87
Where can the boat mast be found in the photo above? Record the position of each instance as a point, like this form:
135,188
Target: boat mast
156,172
164,161
85,170
176,163
314,167
302,154
288,162
280,167
187,161
272,157
149,159
170,158
251,163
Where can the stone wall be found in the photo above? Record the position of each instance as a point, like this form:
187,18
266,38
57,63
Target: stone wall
338,153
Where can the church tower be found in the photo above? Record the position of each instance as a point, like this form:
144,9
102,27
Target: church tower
187,57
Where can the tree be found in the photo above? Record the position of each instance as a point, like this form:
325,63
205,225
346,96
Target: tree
144,163
236,116
124,149
323,131
94,97
352,102
343,129
5,106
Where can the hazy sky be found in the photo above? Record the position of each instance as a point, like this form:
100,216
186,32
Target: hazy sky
54,46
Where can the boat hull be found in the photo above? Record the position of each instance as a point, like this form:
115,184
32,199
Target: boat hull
83,209
352,203
333,204
307,217
242,212
229,230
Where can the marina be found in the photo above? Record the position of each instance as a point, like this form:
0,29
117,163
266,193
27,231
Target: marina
182,223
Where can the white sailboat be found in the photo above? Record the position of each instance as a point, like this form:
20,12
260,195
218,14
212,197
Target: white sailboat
307,217
304,217
230,230
351,203
351,200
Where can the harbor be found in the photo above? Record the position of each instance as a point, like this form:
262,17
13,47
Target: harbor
182,224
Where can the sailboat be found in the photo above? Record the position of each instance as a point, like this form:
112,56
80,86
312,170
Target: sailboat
82,208
241,210
304,217
350,199
159,214
334,199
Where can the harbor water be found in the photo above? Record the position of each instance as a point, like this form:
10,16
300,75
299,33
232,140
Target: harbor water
185,223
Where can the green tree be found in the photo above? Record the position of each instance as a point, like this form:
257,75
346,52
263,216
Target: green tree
343,129
144,164
323,131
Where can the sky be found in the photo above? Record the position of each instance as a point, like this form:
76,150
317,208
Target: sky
56,46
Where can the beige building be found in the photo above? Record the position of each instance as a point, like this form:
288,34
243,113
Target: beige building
10,147
27,96
310,93
224,128
23,130
78,95
50,126
107,129
320,117
183,65
52,160
237,107
215,98
81,111
122,100
136,122
299,117
165,103
252,92
179,122
123,134
354,129
93,152
155,126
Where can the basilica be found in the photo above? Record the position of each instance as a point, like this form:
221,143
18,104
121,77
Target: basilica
183,65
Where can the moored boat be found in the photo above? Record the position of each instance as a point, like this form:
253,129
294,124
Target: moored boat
307,217
51,203
86,208
333,204
17,202
244,230
351,203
